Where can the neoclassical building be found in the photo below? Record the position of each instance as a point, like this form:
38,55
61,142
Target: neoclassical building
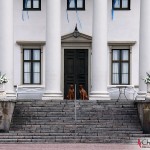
50,44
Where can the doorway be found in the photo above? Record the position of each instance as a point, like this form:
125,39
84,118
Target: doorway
75,69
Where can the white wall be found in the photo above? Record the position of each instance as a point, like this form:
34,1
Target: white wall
85,18
124,27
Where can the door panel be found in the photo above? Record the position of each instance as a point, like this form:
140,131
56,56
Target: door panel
75,69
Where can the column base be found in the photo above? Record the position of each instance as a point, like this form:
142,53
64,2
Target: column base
99,96
141,95
52,96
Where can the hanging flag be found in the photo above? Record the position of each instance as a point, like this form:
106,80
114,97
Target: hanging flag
67,11
113,6
25,13
77,15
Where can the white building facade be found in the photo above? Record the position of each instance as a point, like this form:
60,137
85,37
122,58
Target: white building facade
39,48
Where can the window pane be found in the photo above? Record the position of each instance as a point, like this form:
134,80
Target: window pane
115,72
27,67
36,78
125,71
27,3
27,78
71,3
115,79
79,3
125,67
36,55
125,55
125,79
124,3
27,54
116,54
36,67
117,4
35,3
115,67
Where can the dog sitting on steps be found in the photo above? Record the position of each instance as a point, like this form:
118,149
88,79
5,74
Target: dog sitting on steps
83,93
71,94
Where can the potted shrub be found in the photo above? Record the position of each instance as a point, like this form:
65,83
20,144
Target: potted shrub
3,80
147,81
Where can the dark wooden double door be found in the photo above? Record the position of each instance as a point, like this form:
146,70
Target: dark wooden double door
75,69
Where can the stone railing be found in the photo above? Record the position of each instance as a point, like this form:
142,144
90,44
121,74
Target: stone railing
144,114
6,112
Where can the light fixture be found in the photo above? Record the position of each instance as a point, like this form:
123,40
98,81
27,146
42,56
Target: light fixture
76,33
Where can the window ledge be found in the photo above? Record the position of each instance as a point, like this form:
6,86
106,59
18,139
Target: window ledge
30,86
31,43
119,86
121,43
121,9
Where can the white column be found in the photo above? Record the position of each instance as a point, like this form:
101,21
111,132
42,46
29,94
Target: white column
144,47
99,52
53,51
6,44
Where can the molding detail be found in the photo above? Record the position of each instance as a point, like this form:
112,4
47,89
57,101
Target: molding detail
83,38
121,43
31,43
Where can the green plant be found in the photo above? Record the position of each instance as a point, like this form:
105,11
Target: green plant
147,79
3,79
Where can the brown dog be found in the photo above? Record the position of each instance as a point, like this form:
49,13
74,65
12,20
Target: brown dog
83,93
71,95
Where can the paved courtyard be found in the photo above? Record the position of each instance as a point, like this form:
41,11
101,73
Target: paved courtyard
70,147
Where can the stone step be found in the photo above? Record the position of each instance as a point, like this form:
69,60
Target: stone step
64,124
44,116
116,133
94,133
79,111
79,108
72,129
78,105
86,139
61,137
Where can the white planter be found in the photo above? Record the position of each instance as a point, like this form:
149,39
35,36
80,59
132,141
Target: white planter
2,87
2,91
148,88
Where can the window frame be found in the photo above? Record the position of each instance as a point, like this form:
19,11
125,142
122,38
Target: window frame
75,8
32,62
120,68
120,8
32,8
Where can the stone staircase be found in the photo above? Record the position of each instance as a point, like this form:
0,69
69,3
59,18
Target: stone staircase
54,121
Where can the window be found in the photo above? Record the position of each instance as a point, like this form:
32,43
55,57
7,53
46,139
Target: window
120,67
31,4
121,4
31,66
76,4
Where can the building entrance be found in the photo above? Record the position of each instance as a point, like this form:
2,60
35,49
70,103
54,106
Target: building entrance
75,69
